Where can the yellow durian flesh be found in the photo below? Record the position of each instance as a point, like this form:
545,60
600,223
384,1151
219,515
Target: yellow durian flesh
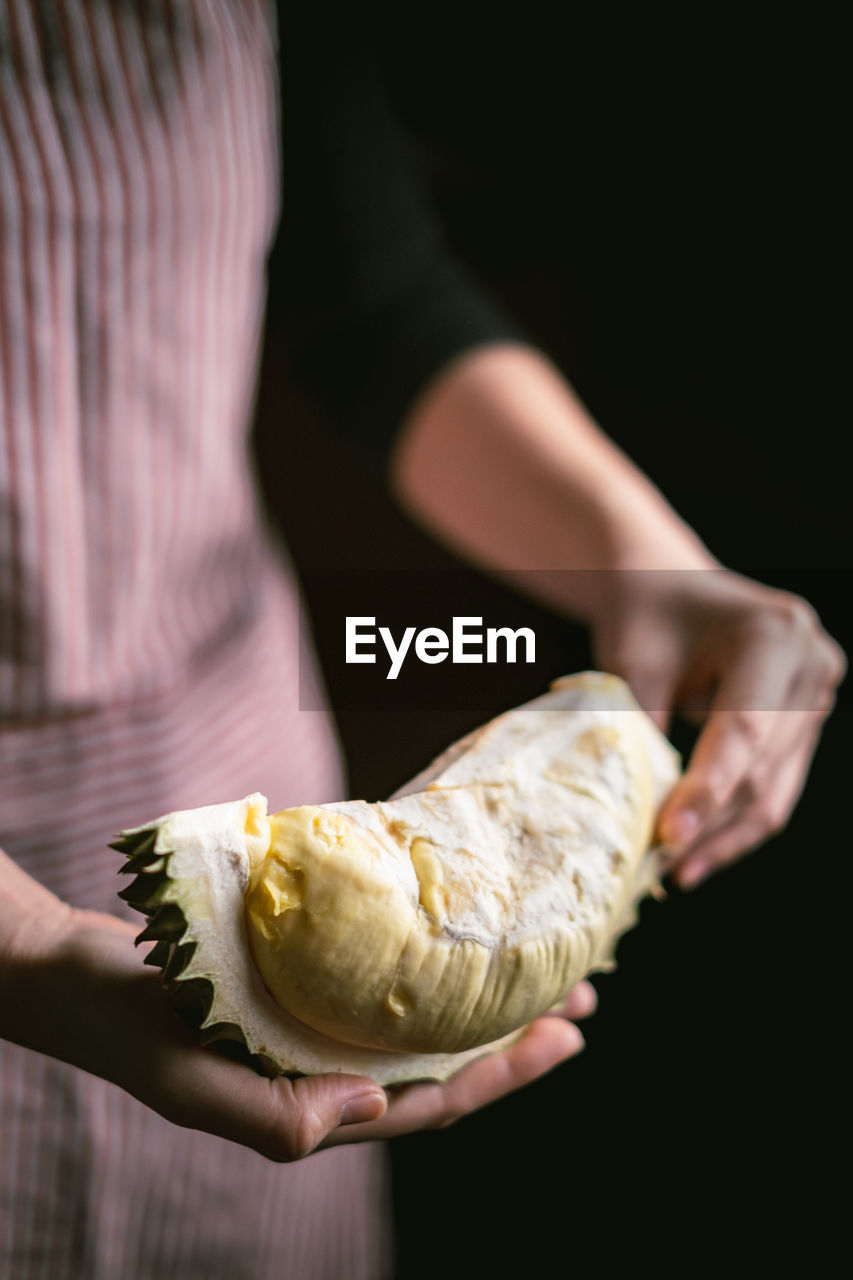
328,913
448,917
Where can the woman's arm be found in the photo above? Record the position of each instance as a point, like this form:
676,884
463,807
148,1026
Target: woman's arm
499,459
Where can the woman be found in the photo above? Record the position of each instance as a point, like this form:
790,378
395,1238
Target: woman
150,643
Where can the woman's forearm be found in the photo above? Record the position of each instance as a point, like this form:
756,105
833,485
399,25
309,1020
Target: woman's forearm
500,460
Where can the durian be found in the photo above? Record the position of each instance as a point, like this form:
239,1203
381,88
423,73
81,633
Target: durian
402,939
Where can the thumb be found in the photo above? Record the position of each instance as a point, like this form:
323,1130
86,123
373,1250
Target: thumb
744,718
646,655
280,1118
652,680
312,1106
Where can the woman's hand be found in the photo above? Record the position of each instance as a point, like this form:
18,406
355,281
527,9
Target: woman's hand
502,460
82,993
751,664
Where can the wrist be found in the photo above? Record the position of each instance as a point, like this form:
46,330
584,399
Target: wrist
49,978
32,942
31,920
626,535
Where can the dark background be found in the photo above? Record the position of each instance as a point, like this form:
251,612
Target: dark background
659,203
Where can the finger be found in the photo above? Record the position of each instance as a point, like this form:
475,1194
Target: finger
718,851
546,1043
581,1002
725,751
787,738
280,1118
653,688
650,666
739,730
764,817
695,705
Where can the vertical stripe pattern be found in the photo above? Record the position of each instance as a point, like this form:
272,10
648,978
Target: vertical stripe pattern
137,201
149,635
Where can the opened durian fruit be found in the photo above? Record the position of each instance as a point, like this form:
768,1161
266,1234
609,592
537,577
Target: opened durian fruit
402,939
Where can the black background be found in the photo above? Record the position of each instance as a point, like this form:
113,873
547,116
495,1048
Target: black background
659,203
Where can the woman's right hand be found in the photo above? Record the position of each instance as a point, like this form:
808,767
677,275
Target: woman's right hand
78,990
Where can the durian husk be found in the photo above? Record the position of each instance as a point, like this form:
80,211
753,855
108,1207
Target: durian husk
582,767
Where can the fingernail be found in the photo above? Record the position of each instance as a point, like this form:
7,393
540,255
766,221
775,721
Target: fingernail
580,1043
363,1107
693,873
682,827
587,997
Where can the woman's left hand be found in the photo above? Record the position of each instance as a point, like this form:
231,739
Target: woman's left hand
755,668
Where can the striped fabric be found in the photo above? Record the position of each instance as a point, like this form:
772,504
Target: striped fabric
149,639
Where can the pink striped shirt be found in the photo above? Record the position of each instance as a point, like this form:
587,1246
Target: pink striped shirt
149,639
